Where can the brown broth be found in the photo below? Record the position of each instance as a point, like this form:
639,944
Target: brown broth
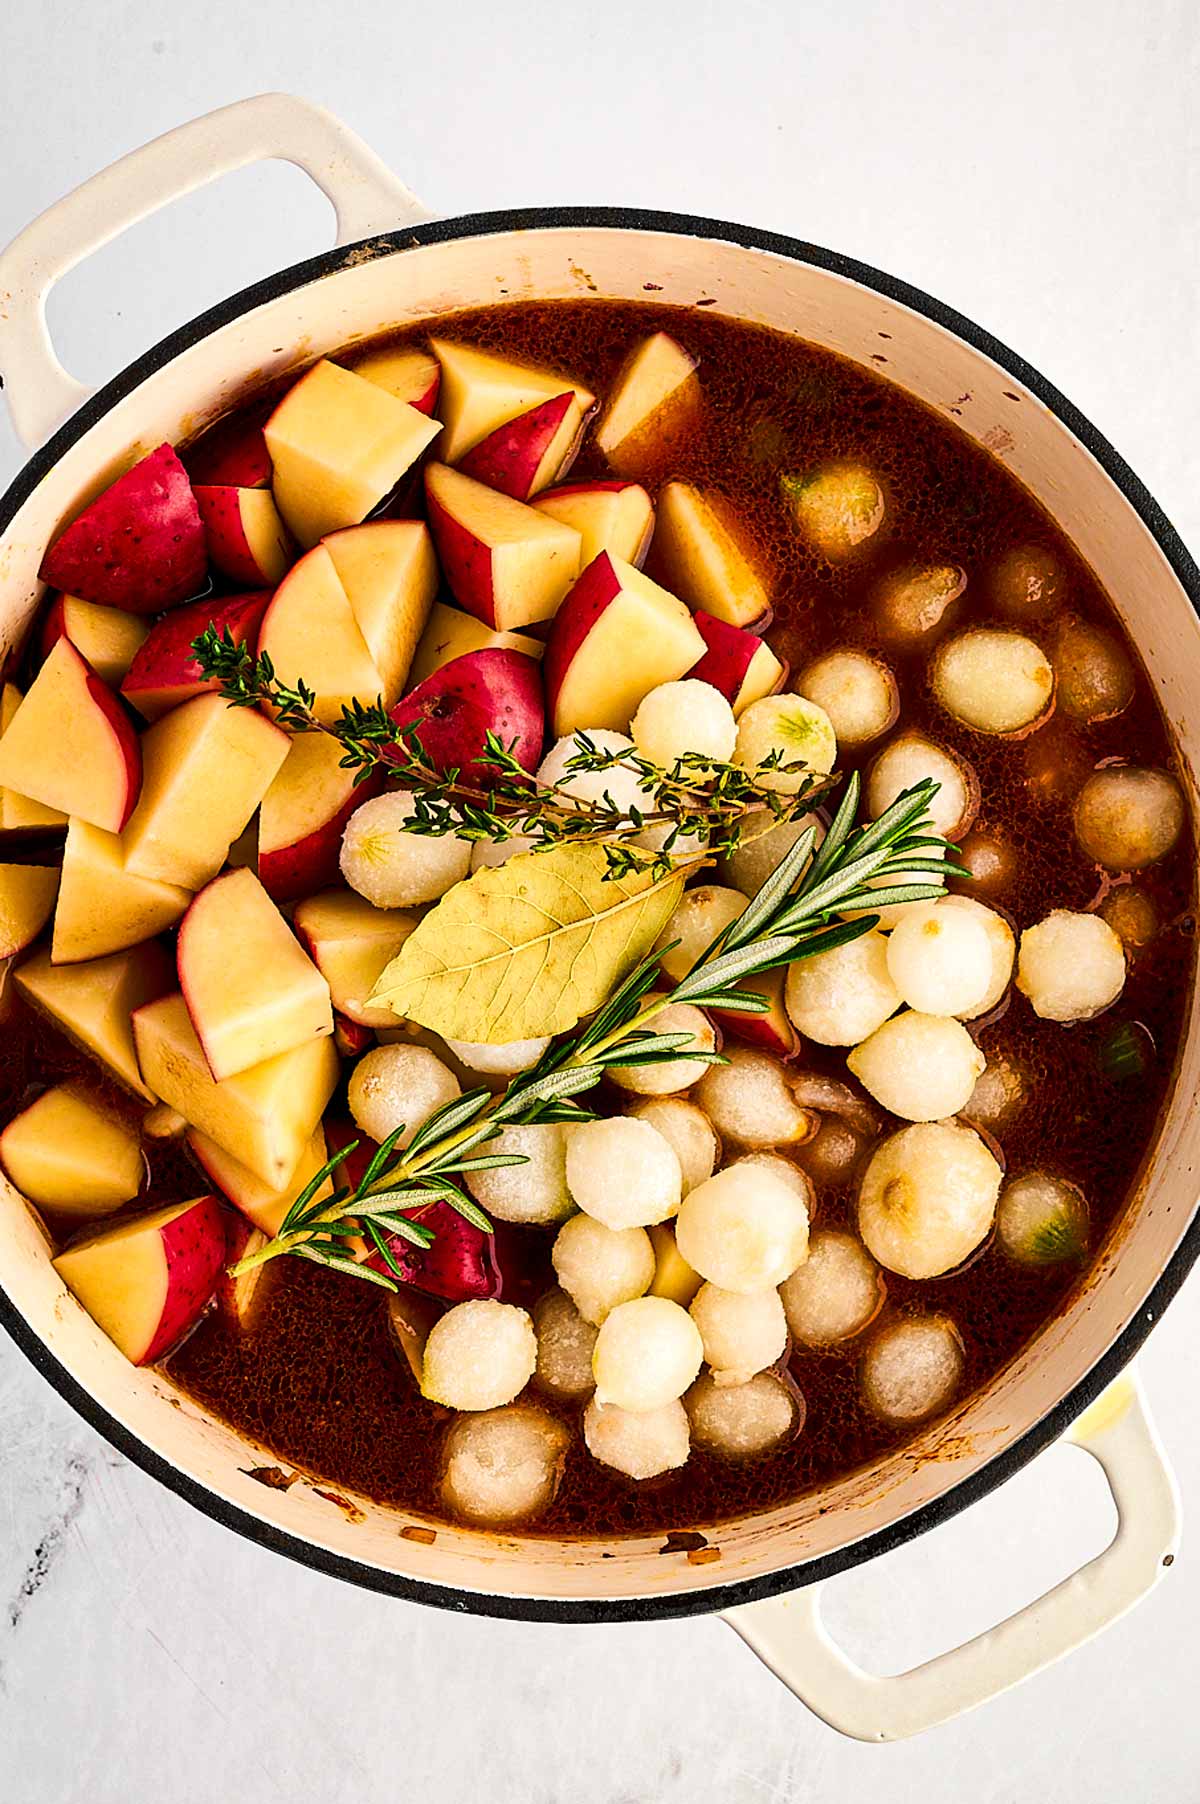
318,1383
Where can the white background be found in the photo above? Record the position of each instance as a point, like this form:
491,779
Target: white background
1033,163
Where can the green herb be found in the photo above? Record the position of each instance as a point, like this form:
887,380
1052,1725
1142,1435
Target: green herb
1126,1051
696,800
794,915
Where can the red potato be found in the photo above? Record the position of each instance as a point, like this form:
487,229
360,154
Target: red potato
146,1282
107,638
339,446
310,633
608,516
656,390
350,1038
772,1031
484,692
27,893
740,664
247,541
616,637
233,453
262,1204
19,814
241,1298
207,767
482,392
102,908
697,551
410,374
505,563
138,546
251,990
450,634
390,575
264,1116
71,746
303,815
351,942
92,1003
67,1152
527,454
165,671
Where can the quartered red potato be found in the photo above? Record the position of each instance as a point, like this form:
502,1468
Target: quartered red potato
594,572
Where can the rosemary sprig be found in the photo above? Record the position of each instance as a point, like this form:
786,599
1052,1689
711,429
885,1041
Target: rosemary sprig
694,800
796,913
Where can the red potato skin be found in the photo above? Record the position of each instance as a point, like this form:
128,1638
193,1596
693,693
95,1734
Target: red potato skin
123,732
139,546
194,1246
594,589
234,454
428,401
497,691
350,1037
165,662
225,535
289,873
466,564
462,1262
509,458
730,649
772,1032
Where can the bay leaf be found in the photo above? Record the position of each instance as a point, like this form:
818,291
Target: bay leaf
526,948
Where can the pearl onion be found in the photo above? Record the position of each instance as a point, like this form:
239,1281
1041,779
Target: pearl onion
839,997
702,914
398,1084
743,1230
678,718
1002,952
502,1466
676,1074
395,868
1071,966
914,602
622,1172
565,1343
478,1355
748,1100
857,692
838,509
940,960
993,680
688,1130
1128,817
647,1353
741,1420
912,1368
920,1067
795,731
601,1267
498,1061
749,865
928,1198
1041,1219
913,759
534,1192
742,1333
835,1294
639,1444
621,783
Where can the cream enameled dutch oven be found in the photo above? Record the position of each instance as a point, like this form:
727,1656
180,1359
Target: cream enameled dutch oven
394,265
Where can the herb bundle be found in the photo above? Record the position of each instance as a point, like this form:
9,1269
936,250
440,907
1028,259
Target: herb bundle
799,911
698,801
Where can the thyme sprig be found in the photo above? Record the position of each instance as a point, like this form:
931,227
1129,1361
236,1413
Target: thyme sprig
798,911
696,801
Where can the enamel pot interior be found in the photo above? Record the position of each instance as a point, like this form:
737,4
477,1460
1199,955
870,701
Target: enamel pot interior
353,295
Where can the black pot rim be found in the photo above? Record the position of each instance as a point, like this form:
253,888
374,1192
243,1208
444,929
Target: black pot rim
956,1497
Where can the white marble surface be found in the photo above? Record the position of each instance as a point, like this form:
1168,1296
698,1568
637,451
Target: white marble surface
1036,165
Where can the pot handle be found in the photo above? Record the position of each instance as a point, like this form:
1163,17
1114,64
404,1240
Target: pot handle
789,1635
365,195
